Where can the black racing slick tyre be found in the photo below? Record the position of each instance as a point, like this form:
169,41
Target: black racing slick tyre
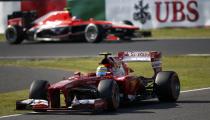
167,86
14,34
93,33
109,91
38,89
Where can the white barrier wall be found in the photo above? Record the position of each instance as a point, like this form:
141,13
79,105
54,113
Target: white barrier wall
143,13
5,9
160,13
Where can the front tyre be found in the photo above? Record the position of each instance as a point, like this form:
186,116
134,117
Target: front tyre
14,34
93,33
38,90
167,86
109,91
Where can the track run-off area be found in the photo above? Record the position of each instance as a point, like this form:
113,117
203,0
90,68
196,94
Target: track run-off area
69,49
192,105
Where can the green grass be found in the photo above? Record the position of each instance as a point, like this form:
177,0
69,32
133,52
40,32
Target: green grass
2,37
193,73
181,33
72,64
8,100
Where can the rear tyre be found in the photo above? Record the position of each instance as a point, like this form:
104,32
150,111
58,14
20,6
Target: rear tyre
93,33
38,90
109,91
14,34
167,86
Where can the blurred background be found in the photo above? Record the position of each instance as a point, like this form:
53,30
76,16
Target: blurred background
147,14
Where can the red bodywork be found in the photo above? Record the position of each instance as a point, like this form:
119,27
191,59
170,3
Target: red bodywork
15,21
128,84
61,25
42,7
64,18
105,89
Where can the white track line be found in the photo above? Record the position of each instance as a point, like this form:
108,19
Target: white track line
186,91
15,115
199,55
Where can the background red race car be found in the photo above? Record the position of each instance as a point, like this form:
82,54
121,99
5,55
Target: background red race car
61,25
105,89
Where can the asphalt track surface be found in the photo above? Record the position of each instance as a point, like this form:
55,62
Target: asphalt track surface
24,76
191,106
18,78
69,49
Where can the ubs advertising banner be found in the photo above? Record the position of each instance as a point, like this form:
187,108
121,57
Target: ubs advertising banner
160,13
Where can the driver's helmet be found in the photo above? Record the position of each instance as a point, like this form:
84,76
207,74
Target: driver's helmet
101,70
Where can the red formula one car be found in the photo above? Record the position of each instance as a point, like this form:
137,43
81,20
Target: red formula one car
105,89
61,25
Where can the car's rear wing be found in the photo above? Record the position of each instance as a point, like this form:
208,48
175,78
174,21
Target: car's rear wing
143,56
